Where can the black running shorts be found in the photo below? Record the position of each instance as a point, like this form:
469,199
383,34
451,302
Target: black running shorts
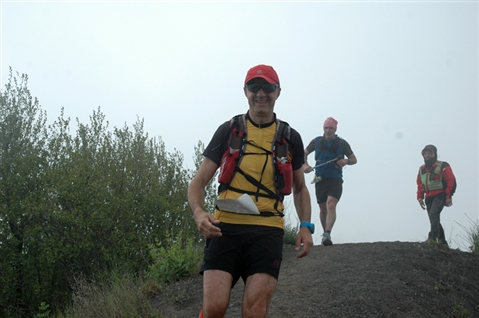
244,250
329,187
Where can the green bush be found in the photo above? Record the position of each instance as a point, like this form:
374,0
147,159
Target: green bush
87,203
44,311
460,312
290,230
174,262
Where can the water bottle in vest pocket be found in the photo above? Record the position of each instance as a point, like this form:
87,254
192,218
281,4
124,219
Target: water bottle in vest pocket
284,175
228,165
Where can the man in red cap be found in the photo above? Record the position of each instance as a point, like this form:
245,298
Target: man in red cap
330,151
437,183
259,158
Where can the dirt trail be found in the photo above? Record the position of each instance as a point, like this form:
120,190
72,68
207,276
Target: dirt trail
382,279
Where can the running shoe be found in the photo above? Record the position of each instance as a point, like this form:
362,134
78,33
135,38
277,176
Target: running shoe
326,240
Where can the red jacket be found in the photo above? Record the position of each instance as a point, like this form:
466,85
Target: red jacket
424,183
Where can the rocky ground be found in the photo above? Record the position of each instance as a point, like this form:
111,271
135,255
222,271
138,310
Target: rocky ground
381,279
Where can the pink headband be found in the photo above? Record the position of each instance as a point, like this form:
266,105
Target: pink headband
331,122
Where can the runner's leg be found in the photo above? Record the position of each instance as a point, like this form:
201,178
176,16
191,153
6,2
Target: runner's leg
434,210
323,214
331,216
216,293
258,291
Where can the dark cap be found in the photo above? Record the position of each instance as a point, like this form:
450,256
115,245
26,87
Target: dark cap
430,148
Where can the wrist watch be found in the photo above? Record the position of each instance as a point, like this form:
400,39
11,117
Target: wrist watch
309,225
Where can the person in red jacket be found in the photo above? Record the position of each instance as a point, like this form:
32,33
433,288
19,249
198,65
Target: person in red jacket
436,184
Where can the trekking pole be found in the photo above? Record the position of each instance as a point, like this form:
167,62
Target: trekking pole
316,178
325,163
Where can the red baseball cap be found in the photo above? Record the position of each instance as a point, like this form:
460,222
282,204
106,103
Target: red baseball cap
263,71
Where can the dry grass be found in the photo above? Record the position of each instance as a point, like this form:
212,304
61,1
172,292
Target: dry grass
124,296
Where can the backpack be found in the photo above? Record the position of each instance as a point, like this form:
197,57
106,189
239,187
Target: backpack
236,141
324,154
444,184
338,142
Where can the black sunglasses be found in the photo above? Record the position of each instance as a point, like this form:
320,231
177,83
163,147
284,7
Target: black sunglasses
266,87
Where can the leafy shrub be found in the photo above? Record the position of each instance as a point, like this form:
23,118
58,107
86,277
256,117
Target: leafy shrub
44,311
460,312
290,231
171,264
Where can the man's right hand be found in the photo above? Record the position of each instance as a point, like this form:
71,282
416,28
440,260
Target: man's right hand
307,168
206,224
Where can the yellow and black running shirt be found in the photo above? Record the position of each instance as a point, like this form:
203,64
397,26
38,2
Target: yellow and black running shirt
253,164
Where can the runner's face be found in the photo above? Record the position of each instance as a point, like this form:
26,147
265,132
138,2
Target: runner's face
329,132
261,104
427,155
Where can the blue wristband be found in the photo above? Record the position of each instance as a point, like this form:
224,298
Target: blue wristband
309,225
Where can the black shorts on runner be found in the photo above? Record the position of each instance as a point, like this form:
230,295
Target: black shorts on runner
244,250
329,187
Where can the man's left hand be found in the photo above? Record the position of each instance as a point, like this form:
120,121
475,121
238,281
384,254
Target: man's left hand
343,162
304,242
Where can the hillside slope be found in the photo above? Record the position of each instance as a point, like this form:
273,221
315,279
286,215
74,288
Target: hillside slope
382,279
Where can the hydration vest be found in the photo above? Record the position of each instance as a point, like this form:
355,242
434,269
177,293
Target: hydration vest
432,179
232,157
324,153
